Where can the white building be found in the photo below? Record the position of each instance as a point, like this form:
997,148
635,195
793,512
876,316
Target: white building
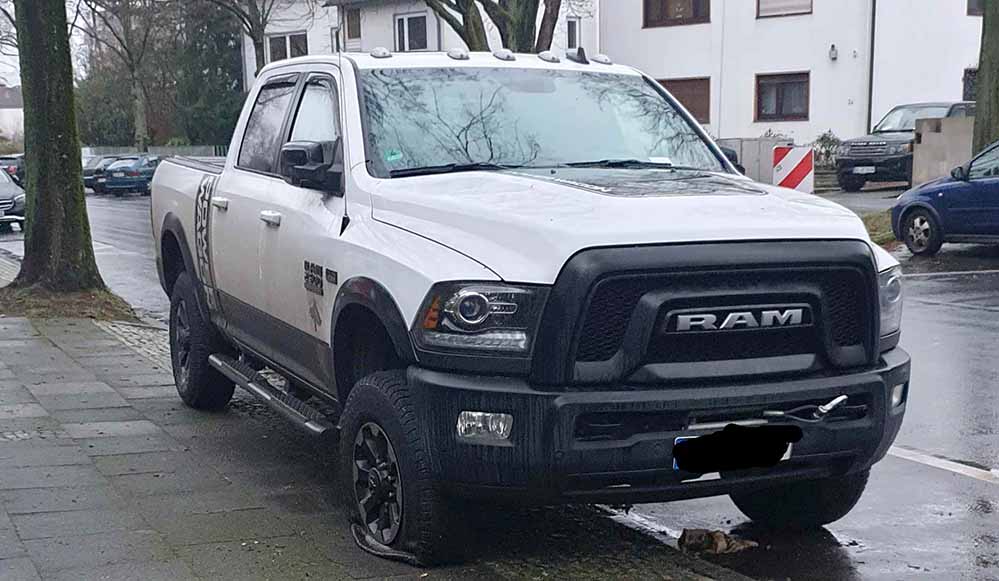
399,25
796,67
11,114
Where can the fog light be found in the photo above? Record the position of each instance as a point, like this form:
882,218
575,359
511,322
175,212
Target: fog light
484,426
897,393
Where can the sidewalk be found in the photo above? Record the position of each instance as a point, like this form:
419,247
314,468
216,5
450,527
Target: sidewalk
105,475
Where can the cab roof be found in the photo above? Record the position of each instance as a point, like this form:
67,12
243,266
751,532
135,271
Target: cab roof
400,60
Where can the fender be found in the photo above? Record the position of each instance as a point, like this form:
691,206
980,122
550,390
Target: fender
173,225
376,298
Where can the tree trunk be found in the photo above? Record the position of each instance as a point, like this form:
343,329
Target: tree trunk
525,25
546,33
475,31
58,251
139,113
258,52
987,113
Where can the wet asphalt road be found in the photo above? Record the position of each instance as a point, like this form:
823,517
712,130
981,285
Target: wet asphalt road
915,521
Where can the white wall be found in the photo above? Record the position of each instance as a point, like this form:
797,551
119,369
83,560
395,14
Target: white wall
736,46
318,24
923,48
12,124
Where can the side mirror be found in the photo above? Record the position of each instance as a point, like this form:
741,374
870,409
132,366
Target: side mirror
740,168
960,173
314,165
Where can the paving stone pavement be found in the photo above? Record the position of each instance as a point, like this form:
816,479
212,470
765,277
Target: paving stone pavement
105,475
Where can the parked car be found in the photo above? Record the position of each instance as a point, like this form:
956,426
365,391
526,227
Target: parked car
130,174
886,154
13,166
582,304
99,177
95,166
11,202
961,207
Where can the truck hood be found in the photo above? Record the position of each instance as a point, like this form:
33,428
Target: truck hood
525,225
882,138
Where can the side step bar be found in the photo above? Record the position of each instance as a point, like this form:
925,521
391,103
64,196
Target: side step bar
297,411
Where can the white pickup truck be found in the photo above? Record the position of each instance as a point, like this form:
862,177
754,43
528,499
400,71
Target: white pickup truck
531,279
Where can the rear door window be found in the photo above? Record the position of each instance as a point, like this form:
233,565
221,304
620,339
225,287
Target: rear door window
263,130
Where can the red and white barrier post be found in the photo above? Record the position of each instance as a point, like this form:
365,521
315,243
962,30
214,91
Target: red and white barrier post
794,167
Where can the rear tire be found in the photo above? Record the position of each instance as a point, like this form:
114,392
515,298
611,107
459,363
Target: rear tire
803,505
851,183
385,471
921,233
192,341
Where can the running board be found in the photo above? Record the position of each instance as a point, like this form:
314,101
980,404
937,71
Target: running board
297,411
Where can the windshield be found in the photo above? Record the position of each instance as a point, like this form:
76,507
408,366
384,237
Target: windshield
904,118
125,163
476,117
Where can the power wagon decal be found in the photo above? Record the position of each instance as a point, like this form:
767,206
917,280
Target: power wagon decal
202,239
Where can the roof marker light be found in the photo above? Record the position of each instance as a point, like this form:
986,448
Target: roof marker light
380,52
458,54
505,54
549,57
602,59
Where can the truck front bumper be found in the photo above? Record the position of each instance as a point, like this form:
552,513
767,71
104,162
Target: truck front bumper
616,445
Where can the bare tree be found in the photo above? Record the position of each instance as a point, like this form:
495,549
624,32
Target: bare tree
58,252
987,116
126,29
516,21
255,15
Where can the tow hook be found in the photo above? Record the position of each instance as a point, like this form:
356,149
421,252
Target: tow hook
808,414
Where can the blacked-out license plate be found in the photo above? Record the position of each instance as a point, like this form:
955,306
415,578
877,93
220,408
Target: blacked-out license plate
734,448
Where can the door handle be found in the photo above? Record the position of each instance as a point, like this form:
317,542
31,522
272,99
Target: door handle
221,203
271,218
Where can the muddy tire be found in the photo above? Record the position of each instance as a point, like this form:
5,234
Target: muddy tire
803,505
385,472
921,233
192,340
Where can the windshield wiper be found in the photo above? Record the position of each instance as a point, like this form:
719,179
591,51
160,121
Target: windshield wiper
448,168
632,163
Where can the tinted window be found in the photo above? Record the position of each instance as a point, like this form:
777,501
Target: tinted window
317,118
904,118
263,130
125,163
986,165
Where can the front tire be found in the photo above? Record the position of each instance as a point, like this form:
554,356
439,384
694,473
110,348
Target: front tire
192,341
851,183
803,505
921,233
385,471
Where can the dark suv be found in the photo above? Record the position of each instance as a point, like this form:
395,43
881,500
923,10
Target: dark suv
886,154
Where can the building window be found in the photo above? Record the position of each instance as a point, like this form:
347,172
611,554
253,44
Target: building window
572,33
782,97
769,8
976,7
676,12
411,32
353,23
283,46
694,94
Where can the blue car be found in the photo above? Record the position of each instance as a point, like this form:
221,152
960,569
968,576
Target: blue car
131,175
963,207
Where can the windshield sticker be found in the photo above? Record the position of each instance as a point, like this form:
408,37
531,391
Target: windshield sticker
393,155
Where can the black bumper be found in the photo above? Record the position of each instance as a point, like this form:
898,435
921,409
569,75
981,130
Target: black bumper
552,455
896,168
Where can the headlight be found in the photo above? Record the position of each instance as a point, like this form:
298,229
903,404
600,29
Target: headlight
843,150
18,199
890,291
900,148
480,318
